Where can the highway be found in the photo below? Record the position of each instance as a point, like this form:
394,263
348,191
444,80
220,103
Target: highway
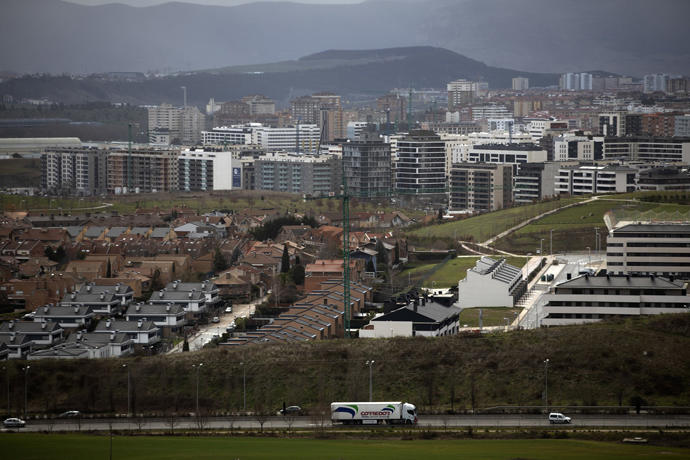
280,422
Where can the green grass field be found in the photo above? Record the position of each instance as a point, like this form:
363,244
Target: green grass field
574,227
77,447
491,316
452,272
482,227
20,172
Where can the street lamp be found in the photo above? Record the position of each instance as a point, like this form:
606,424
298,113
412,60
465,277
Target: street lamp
551,242
589,255
198,368
244,387
26,388
546,384
129,401
541,246
370,363
7,375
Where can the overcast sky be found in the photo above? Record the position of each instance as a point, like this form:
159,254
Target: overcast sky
202,2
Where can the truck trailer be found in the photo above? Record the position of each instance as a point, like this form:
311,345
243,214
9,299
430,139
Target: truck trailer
364,413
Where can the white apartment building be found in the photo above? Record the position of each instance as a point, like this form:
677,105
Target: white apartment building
458,145
586,179
582,148
520,83
175,124
588,299
506,154
270,138
655,82
208,170
576,81
644,248
490,283
496,111
74,170
649,149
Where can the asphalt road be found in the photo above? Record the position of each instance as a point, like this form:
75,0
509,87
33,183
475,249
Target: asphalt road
527,421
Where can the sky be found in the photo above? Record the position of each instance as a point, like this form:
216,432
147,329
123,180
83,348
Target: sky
201,2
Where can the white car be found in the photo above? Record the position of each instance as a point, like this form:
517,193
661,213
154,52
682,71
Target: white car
228,309
557,417
14,423
215,320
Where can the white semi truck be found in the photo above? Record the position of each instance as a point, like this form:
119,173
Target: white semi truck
364,413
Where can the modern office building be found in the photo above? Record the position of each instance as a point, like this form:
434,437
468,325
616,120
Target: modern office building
664,178
578,148
303,138
142,171
201,169
367,167
420,168
506,153
314,175
80,171
587,299
644,248
233,135
480,187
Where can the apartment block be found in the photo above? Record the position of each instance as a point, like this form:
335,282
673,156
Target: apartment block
310,175
201,169
367,167
177,125
648,149
589,179
644,248
81,171
420,169
480,187
142,171
534,181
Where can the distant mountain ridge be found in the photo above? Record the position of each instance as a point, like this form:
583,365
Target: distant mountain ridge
353,74
624,36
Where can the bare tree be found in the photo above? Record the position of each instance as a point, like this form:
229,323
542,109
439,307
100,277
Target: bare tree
201,420
172,422
261,416
140,421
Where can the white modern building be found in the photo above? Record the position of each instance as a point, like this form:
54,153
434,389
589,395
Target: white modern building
491,283
644,248
520,83
571,81
587,179
201,169
587,299
422,317
655,82
176,124
648,149
302,138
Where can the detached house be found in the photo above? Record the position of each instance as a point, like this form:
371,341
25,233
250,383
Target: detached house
169,316
142,332
66,317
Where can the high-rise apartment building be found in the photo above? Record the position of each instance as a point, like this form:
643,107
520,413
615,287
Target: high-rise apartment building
81,171
315,175
175,125
208,169
322,109
480,187
681,127
576,81
520,83
461,92
420,168
367,166
655,82
142,171
612,124
393,106
303,138
648,149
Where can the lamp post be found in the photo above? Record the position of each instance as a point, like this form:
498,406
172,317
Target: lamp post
541,246
551,242
589,255
129,400
198,368
370,363
546,384
26,389
244,387
7,376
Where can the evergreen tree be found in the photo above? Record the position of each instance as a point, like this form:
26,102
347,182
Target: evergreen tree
285,261
219,263
185,345
108,270
370,266
381,256
298,274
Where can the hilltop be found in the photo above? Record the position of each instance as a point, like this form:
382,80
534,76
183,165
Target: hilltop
350,73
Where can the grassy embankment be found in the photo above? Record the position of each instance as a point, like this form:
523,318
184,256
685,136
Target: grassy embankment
482,227
574,227
450,273
76,447
601,364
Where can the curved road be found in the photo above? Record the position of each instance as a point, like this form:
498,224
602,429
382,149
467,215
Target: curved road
279,422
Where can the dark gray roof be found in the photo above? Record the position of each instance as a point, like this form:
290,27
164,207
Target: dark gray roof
123,326
102,297
118,289
644,282
653,228
159,232
154,309
176,296
62,312
116,231
94,231
94,338
74,231
501,270
28,327
205,286
13,340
